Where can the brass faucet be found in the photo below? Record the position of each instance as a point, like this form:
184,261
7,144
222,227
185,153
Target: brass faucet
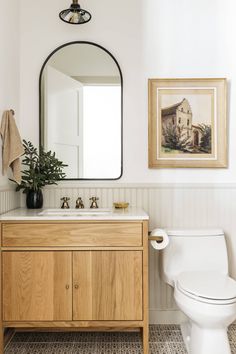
65,204
94,204
79,203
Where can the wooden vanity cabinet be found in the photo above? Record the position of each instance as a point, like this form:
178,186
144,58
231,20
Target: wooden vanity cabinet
73,281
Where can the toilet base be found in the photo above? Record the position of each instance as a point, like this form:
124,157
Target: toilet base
204,340
186,332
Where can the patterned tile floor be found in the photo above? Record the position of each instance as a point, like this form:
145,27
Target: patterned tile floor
164,339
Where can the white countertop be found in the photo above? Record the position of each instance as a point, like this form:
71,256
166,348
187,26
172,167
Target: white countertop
33,214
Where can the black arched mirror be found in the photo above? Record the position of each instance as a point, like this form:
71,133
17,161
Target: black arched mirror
81,93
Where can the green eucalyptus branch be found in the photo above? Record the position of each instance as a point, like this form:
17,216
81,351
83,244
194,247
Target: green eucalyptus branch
42,168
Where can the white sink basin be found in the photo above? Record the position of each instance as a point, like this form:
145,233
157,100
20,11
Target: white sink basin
75,212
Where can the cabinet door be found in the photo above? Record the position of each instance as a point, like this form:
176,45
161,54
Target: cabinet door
107,285
37,286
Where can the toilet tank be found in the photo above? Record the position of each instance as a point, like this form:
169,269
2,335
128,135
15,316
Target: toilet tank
193,250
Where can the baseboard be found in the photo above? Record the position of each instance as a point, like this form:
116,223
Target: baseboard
166,317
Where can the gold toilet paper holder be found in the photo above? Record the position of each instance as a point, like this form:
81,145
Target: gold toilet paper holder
155,238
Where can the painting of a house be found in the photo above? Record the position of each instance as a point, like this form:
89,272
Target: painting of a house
187,123
180,133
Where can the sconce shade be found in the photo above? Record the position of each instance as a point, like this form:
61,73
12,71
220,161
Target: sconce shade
75,15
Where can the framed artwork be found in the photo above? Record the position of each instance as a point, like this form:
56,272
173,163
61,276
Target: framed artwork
187,123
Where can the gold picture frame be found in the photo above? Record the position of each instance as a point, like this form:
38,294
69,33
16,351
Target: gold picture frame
187,123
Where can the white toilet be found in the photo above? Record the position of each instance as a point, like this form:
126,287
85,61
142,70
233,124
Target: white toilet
195,263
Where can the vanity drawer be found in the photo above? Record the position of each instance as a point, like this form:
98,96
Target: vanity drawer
70,235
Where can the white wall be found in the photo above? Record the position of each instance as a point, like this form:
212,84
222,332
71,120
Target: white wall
9,63
154,38
192,39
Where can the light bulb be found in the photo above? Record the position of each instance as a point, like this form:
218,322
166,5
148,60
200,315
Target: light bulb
75,17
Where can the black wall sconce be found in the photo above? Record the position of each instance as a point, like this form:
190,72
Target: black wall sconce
75,15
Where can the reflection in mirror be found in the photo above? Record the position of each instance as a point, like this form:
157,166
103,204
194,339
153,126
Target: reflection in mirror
81,110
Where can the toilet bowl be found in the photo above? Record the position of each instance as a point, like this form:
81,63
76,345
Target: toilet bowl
209,301
196,264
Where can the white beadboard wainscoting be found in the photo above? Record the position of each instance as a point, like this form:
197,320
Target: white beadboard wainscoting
169,206
9,199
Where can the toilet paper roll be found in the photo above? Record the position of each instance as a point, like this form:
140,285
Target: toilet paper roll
160,245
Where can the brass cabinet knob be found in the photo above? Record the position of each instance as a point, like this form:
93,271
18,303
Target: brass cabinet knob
67,286
76,286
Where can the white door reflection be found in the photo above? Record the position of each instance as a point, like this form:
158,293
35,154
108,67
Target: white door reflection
64,101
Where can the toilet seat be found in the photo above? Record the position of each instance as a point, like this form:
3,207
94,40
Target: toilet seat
208,287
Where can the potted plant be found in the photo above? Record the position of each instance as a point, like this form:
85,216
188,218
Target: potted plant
43,169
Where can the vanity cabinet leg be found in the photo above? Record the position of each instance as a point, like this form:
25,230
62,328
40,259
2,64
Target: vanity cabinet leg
145,334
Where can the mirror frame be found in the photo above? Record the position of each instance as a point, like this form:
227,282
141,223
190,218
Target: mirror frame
40,108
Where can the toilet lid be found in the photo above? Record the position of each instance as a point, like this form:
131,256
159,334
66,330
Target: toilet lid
207,285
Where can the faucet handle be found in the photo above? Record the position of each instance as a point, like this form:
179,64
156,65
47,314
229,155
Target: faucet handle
94,202
65,204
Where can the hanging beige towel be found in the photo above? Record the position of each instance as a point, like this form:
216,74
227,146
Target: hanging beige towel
12,147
